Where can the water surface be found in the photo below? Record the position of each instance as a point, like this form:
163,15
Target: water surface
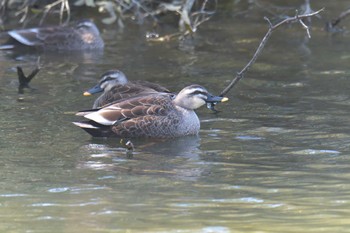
274,159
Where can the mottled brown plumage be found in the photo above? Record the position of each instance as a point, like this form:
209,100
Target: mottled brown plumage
160,115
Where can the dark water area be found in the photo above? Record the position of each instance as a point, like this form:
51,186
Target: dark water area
274,159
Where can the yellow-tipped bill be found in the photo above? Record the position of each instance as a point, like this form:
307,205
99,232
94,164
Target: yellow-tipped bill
86,93
224,99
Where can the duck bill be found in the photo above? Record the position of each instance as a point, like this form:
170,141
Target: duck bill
212,100
215,99
94,90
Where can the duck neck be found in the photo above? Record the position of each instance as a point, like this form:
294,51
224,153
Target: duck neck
190,124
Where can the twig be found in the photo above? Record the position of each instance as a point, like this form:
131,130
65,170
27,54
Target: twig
330,26
64,7
129,147
25,80
202,15
296,18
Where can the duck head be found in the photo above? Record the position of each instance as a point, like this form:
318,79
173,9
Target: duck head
107,81
195,96
86,25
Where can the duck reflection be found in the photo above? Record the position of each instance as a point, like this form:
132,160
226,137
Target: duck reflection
177,158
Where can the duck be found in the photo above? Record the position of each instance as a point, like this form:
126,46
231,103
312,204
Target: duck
82,35
115,86
156,115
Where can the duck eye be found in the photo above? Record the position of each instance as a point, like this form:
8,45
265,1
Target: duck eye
109,78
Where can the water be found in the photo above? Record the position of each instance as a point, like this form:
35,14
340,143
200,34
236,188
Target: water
275,159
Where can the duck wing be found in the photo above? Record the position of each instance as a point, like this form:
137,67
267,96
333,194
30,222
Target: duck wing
42,36
154,105
120,92
151,85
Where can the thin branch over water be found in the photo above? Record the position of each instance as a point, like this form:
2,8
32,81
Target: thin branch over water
296,18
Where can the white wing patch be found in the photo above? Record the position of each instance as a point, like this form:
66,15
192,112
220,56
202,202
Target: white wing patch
99,117
85,125
111,108
21,38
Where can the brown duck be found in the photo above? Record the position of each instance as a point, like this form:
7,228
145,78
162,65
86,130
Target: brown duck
115,86
156,115
83,35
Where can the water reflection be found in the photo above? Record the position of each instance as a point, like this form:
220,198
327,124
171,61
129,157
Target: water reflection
178,158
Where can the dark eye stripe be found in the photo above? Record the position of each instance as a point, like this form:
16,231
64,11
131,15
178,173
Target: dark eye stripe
107,79
198,92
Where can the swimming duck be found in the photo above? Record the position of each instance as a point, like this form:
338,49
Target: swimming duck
84,35
115,86
156,115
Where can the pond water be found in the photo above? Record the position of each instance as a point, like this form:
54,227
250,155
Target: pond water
276,157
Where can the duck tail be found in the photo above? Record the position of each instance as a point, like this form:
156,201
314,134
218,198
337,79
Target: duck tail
6,46
85,112
95,129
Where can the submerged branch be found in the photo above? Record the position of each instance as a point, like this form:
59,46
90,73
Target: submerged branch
25,80
296,18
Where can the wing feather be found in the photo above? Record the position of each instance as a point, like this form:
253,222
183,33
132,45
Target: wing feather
145,126
133,108
41,36
120,92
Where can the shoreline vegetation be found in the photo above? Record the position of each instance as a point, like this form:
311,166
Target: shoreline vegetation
189,14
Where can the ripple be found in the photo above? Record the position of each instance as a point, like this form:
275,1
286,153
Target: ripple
251,200
48,204
190,205
215,229
224,119
49,218
273,130
58,190
45,218
248,138
108,212
87,188
328,72
96,146
13,195
316,152
44,204
240,200
296,84
274,205
102,155
106,177
94,165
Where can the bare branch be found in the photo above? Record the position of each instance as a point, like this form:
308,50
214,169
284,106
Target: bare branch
296,18
64,7
331,26
305,27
